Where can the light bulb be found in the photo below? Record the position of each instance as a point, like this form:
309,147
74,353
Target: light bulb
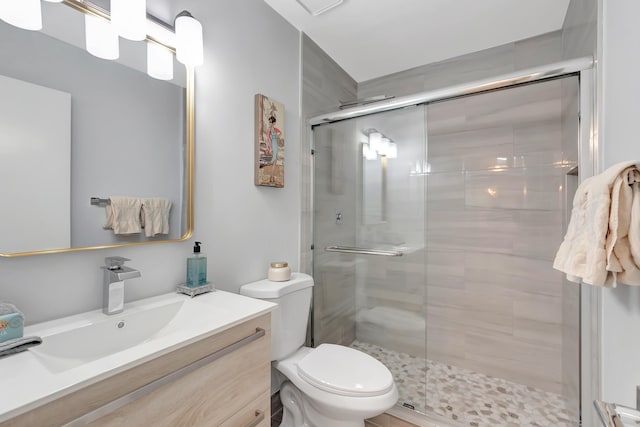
159,62
384,146
129,18
392,151
26,14
375,140
368,153
100,37
189,42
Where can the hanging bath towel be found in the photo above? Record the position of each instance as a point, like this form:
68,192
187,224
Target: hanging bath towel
602,243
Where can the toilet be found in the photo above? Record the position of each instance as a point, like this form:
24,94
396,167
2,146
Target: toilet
327,386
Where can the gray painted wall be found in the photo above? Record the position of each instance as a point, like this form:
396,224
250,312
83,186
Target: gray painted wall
619,135
248,49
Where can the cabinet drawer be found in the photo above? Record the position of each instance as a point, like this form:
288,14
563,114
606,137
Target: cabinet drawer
205,397
254,414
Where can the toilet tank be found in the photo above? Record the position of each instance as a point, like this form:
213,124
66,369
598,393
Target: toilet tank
289,319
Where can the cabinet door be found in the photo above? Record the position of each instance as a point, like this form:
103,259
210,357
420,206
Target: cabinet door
208,396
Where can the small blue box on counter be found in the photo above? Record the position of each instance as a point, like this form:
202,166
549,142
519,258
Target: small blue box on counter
11,326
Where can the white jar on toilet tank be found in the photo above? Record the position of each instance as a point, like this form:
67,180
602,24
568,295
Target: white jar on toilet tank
279,271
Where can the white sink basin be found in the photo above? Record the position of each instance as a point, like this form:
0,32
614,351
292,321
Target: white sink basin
83,349
110,334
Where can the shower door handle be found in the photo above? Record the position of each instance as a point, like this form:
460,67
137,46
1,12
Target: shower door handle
362,251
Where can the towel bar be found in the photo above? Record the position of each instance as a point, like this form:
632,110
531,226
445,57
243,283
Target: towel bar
362,251
97,201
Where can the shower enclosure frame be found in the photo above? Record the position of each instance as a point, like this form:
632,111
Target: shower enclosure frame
590,163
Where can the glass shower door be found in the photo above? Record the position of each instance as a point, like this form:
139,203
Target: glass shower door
502,331
435,229
369,242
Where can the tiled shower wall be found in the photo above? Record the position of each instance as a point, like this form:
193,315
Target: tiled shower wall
488,63
391,294
495,212
324,85
495,209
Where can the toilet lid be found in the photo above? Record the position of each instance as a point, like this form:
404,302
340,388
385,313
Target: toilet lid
345,371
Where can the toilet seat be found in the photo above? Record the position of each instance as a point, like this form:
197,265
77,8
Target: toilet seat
344,371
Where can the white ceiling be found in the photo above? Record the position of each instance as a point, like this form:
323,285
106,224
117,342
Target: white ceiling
373,38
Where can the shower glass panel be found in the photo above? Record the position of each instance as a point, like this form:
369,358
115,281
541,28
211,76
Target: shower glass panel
472,320
369,194
499,334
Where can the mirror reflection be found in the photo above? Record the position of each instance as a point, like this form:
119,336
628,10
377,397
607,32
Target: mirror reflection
73,127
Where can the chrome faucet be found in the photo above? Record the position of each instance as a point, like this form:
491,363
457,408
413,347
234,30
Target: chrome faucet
115,273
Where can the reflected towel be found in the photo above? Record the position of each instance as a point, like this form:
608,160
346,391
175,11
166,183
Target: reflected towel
123,215
602,243
155,216
17,345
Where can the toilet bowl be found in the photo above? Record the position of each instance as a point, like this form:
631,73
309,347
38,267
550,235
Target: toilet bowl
337,386
327,386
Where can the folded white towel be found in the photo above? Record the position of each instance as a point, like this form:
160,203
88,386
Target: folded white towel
602,244
123,215
155,216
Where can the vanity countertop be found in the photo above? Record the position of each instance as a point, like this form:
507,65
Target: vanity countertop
29,379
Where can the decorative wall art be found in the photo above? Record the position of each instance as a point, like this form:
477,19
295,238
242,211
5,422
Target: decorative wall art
269,142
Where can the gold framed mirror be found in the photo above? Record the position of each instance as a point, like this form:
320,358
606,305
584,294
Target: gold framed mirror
90,128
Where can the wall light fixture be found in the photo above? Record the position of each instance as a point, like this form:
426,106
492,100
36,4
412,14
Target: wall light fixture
189,42
129,19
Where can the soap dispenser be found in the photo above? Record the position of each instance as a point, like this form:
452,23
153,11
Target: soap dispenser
196,268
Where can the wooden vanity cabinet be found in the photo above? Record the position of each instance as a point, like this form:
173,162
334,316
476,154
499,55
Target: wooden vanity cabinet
181,388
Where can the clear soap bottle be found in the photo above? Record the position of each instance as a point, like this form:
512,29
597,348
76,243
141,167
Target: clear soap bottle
196,268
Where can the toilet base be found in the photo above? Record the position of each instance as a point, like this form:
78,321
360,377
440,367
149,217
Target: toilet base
298,412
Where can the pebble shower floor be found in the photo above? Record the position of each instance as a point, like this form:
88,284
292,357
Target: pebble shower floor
469,398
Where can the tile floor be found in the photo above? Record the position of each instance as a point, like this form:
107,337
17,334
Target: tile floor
466,397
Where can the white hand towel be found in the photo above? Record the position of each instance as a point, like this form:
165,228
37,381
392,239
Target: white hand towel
600,240
123,215
155,216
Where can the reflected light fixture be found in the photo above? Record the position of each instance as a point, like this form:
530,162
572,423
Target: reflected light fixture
26,14
159,62
129,18
100,37
379,145
189,40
